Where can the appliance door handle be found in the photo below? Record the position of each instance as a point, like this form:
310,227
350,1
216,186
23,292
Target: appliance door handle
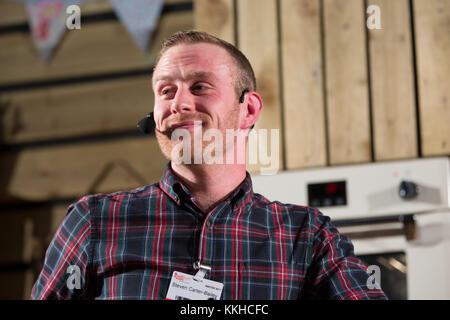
408,227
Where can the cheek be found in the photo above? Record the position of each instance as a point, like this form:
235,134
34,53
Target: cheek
156,117
160,112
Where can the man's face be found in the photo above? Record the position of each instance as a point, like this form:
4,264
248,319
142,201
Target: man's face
194,82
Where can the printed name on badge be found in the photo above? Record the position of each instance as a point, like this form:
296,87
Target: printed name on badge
184,287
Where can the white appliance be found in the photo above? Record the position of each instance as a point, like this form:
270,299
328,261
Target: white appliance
397,215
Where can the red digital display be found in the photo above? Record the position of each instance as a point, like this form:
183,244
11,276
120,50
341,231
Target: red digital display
331,188
327,194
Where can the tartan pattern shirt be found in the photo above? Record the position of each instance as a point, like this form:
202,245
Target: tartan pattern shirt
127,244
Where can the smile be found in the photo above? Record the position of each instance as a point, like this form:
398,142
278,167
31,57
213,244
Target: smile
186,125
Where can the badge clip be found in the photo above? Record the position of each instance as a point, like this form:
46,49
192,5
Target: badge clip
202,272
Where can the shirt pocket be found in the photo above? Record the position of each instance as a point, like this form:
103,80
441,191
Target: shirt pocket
268,280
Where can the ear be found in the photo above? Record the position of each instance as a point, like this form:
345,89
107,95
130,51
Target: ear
252,107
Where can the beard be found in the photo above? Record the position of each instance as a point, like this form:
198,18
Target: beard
170,144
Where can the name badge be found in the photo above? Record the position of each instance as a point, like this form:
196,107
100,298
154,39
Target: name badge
188,287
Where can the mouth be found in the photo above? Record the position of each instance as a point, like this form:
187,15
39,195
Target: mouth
186,125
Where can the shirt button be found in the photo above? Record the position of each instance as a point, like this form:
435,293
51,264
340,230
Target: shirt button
208,224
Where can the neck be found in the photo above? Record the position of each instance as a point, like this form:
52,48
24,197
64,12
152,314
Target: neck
210,184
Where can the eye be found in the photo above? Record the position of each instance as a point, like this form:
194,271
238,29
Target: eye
199,87
165,91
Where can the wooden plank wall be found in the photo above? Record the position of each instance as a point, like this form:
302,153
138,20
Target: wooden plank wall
260,17
345,93
68,127
216,16
338,92
392,80
432,25
346,82
302,76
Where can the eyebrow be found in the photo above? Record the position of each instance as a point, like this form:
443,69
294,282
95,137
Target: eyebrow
189,76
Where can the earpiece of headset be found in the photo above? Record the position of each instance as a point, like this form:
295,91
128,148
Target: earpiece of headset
241,100
242,97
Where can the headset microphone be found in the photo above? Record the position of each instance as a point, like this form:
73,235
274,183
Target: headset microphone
147,125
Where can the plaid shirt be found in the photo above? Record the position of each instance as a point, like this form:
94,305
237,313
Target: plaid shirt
127,245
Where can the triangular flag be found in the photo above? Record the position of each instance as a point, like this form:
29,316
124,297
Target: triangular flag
47,19
140,17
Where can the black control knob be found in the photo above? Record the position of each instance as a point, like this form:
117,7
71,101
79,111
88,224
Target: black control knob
408,190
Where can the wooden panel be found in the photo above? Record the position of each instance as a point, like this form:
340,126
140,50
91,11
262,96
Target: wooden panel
14,12
111,49
74,170
63,111
432,25
346,81
304,117
257,18
392,81
16,285
16,239
215,17
24,237
26,233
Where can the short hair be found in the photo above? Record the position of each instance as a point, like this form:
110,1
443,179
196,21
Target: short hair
245,79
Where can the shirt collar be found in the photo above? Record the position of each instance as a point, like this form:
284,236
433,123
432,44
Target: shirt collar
178,192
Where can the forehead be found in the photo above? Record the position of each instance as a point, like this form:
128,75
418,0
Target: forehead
194,60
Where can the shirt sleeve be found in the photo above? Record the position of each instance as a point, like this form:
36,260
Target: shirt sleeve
63,275
335,273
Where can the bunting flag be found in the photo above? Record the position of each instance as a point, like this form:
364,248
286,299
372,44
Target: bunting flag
47,20
140,17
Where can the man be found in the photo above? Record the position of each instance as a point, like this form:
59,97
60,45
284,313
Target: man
200,216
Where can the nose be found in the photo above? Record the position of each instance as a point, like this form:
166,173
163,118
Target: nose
182,102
